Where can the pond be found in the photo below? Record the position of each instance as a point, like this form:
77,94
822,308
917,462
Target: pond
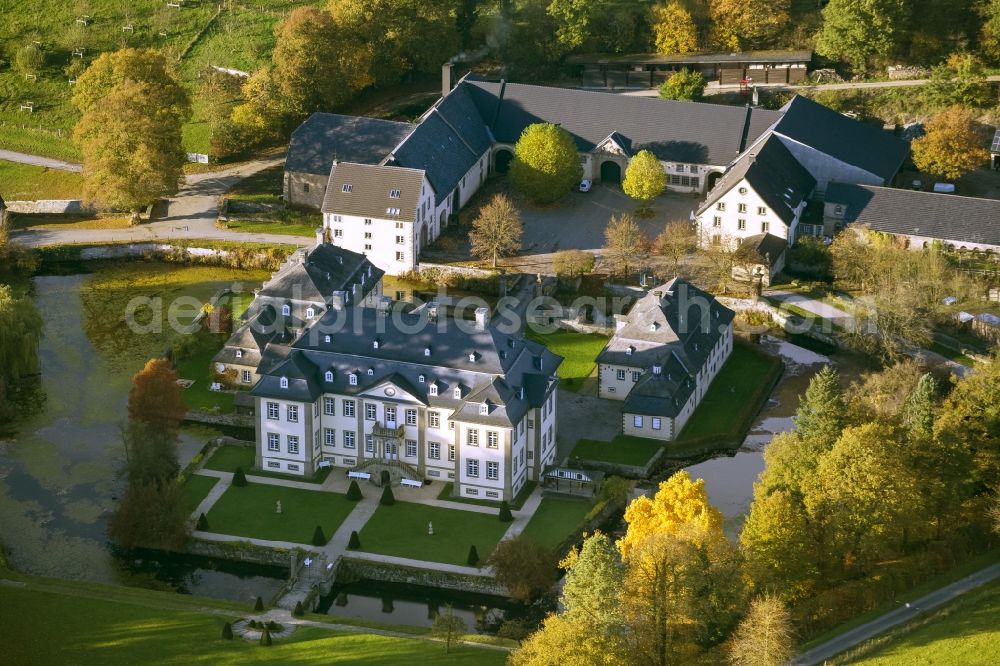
59,472
729,479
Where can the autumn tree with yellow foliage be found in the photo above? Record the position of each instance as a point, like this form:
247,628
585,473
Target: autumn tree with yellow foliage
953,145
674,30
744,25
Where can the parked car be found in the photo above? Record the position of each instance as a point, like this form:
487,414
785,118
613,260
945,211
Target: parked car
944,188
585,185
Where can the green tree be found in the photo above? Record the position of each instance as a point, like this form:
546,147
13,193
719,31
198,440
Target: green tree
858,31
387,499
546,164
969,419
239,478
918,411
645,178
765,636
952,146
676,241
608,26
263,114
822,414
20,332
561,641
686,85
354,491
743,25
131,111
572,263
505,515
523,567
625,243
960,80
149,515
593,582
616,491
777,544
449,626
473,558
317,64
29,59
674,30
497,230
354,541
319,539
989,36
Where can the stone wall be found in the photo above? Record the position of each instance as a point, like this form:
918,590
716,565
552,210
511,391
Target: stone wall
50,207
244,551
789,322
355,569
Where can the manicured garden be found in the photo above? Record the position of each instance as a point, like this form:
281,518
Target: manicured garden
400,530
622,450
736,395
516,504
579,351
62,623
251,511
196,365
556,519
195,489
228,457
27,182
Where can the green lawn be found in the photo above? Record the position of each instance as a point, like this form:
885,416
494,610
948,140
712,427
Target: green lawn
306,228
61,625
577,349
229,456
951,354
250,512
400,530
25,182
735,396
967,631
195,489
197,365
622,450
556,519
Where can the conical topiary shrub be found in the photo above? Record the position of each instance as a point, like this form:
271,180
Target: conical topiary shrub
505,515
239,478
202,523
384,478
388,499
227,631
354,491
473,556
354,543
319,539
258,605
265,638
298,611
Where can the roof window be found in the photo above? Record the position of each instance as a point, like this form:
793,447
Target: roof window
329,375
393,194
284,382
392,211
347,188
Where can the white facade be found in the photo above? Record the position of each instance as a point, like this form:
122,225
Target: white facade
742,212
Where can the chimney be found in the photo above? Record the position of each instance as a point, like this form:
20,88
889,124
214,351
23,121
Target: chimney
338,300
482,318
446,79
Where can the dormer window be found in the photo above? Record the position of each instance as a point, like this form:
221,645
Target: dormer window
375,343
472,357
326,338
353,380
371,372
457,393
392,211
239,353
484,409
284,382
329,375
310,313
421,379
286,310
743,190
427,351
657,369
628,352
654,326
393,194
347,188
433,389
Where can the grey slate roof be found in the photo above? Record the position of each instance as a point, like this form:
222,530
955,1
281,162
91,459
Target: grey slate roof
370,188
673,327
775,56
946,217
773,173
325,137
324,269
767,246
687,132
302,375
856,143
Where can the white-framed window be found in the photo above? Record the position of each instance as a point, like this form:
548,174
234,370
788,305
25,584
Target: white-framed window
720,206
292,413
743,190
353,379
293,444
472,437
368,221
411,417
716,221
492,470
369,411
484,409
239,353
765,226
432,390
433,420
293,468
329,436
400,256
392,211
347,188
368,235
472,467
656,423
741,225
421,379
330,406
390,414
338,233
273,441
457,393
273,464
371,371
328,376
369,443
636,375
349,439
400,240
411,448
637,421
246,377
531,422
741,208
348,408
272,411
283,382
338,218
451,453
368,247
434,450
761,210
621,375
393,194
492,439
310,313
451,425
471,491
350,462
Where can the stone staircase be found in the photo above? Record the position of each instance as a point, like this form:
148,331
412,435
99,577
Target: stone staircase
307,583
397,470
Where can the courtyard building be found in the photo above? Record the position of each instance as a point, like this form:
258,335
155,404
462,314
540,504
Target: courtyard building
663,357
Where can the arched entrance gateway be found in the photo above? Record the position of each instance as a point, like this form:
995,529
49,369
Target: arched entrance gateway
713,178
502,160
611,173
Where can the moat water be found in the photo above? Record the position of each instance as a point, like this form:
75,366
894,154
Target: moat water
59,472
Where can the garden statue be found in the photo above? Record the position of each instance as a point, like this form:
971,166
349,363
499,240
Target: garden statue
277,507
430,529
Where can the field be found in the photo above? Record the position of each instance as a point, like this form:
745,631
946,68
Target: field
25,182
62,623
964,632
251,512
197,35
556,519
400,530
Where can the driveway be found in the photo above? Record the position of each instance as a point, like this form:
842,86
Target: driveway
578,221
817,307
585,417
35,160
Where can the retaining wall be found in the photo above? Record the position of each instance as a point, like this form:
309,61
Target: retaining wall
355,569
50,207
244,551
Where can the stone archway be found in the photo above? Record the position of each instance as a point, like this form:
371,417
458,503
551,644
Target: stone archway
502,159
611,172
712,179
